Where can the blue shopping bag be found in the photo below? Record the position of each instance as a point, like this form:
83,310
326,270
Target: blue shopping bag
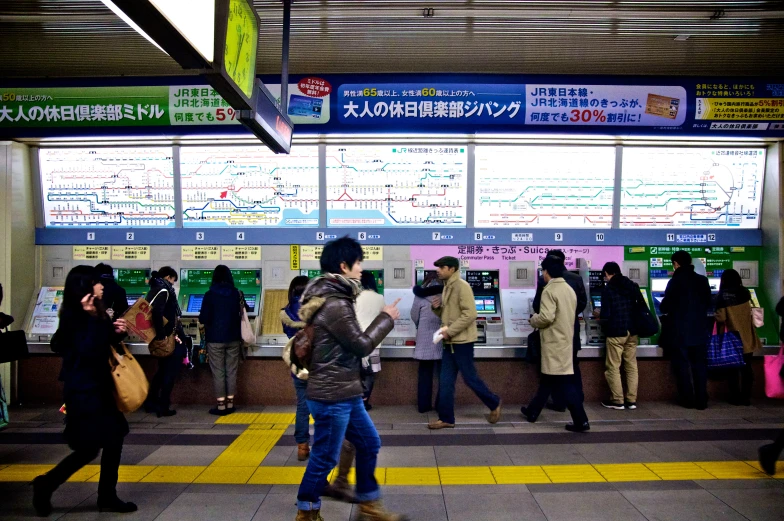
725,349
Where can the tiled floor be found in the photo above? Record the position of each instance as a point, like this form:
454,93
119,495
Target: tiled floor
659,462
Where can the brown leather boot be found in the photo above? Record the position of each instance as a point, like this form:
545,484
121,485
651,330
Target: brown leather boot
309,515
375,511
303,451
339,489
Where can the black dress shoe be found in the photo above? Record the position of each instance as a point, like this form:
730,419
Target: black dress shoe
768,456
166,413
528,416
42,497
150,408
578,428
116,505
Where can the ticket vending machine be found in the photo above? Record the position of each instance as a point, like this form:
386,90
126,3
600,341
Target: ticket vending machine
487,298
593,330
194,283
43,314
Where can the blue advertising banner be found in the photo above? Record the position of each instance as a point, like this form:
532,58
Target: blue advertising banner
409,103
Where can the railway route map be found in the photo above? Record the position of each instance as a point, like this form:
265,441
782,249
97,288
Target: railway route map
107,186
249,186
692,187
544,187
380,186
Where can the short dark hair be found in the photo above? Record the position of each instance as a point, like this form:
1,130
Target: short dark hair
553,266
611,268
297,287
683,258
222,275
368,281
104,269
166,271
338,251
558,254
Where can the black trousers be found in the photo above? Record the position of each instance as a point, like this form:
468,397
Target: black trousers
564,390
545,390
110,465
427,368
741,380
690,365
162,383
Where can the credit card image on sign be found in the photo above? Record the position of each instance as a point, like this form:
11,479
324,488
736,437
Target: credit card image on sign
305,106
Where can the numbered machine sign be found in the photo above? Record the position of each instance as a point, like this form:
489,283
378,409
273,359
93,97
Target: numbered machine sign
477,236
558,237
319,236
436,236
362,236
130,236
199,236
599,237
670,237
240,236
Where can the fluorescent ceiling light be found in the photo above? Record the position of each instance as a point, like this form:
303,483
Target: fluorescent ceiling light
116,10
194,19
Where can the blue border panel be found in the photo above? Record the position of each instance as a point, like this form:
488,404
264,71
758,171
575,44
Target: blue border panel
399,236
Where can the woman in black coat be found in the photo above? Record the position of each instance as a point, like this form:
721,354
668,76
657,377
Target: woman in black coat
93,421
163,300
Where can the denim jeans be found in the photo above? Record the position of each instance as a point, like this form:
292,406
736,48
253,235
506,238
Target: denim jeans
335,421
302,421
460,358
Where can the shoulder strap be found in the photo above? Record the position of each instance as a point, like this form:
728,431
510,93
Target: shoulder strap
164,290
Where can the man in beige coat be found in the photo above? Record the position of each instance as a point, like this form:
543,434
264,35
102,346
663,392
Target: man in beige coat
555,321
457,310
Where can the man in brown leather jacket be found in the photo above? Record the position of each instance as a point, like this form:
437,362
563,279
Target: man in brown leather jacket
334,387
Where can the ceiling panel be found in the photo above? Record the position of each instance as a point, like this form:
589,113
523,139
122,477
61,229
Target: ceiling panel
72,38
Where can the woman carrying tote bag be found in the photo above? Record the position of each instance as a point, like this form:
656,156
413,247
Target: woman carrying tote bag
93,421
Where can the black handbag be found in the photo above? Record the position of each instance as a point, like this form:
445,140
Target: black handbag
13,346
644,322
533,352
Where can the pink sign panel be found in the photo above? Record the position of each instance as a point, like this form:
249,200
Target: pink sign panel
481,257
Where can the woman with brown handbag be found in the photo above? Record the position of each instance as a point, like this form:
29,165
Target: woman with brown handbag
93,422
163,301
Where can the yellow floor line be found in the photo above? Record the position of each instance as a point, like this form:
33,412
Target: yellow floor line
249,449
414,476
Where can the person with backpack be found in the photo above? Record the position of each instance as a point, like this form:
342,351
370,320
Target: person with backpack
619,297
289,318
332,350
93,423
221,315
163,301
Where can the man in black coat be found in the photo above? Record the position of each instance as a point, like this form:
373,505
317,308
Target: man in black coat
686,329
543,392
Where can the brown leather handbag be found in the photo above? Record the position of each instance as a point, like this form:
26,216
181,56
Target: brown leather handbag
163,348
130,383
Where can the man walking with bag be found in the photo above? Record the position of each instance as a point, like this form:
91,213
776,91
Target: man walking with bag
457,310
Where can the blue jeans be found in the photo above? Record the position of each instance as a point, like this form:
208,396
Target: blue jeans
301,424
460,358
335,421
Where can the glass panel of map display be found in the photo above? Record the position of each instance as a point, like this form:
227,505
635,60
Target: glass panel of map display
107,186
392,185
692,187
249,186
544,186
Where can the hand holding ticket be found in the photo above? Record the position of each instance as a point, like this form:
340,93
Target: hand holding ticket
437,337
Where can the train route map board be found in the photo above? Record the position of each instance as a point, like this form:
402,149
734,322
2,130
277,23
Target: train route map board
107,186
393,185
544,186
249,186
692,187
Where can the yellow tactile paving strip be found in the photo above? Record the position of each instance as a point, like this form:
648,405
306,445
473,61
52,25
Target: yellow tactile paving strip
420,476
249,449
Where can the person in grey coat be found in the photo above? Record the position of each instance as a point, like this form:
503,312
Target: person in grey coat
428,353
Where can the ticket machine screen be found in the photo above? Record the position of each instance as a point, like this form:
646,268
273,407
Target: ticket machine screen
486,304
194,303
131,298
250,300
